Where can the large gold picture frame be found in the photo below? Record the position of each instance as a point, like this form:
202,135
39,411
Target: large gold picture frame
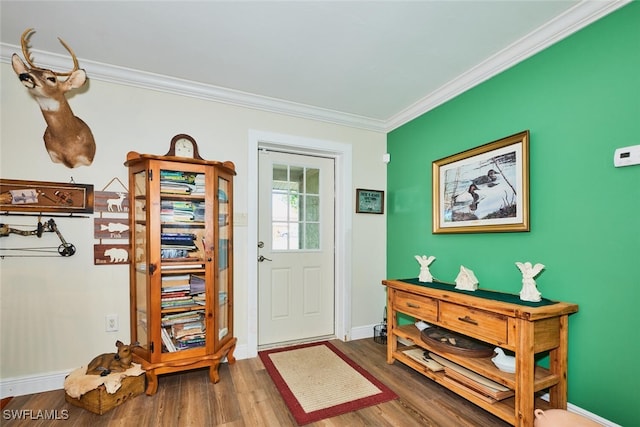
45,197
484,189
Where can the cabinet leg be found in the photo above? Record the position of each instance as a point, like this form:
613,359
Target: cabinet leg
152,383
230,357
214,377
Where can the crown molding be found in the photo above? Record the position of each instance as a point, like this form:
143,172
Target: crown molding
574,19
161,83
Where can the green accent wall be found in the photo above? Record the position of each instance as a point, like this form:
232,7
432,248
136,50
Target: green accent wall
580,99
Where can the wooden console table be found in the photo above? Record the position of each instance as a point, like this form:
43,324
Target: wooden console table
524,328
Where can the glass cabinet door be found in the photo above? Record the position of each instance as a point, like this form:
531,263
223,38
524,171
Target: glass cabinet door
224,256
139,235
183,278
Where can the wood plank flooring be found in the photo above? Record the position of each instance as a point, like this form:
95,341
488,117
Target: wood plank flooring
246,397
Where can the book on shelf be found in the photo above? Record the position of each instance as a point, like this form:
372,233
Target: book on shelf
196,283
178,281
176,296
169,293
173,240
176,182
175,303
182,266
177,284
173,253
166,340
175,278
184,317
173,188
185,344
187,330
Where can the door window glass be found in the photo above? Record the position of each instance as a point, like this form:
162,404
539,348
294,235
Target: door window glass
295,208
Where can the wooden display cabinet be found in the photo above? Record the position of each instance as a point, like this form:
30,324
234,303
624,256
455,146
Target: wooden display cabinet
523,329
181,274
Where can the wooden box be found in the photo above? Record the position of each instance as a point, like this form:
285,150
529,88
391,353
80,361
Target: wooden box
99,401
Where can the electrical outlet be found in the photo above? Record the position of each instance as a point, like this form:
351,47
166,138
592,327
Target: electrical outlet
111,322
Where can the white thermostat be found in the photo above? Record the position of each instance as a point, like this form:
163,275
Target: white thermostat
627,156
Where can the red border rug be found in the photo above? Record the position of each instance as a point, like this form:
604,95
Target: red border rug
292,402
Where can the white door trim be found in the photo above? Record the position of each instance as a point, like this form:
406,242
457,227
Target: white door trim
342,154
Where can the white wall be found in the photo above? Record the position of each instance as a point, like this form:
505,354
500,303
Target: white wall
52,309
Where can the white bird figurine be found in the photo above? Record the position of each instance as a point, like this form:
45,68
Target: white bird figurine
466,280
529,291
425,274
503,362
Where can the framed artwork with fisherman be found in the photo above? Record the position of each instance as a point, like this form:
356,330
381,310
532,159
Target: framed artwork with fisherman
484,189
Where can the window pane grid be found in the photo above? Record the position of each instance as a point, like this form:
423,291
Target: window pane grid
295,208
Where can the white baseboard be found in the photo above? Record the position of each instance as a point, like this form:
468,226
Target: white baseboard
361,332
20,386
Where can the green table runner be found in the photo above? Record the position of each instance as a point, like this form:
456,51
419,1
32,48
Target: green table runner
481,293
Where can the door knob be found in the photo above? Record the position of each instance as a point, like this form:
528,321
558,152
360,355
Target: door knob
262,258
261,244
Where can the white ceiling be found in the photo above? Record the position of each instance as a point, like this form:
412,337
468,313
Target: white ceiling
370,64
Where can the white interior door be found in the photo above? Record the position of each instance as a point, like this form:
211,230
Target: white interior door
296,247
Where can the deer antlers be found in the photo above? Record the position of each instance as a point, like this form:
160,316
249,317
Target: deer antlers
68,139
27,55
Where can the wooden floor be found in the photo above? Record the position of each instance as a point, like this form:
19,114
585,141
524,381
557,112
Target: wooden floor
246,396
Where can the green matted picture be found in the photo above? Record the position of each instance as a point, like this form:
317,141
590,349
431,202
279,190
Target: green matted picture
369,201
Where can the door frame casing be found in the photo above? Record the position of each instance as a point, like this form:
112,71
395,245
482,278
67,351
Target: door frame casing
342,155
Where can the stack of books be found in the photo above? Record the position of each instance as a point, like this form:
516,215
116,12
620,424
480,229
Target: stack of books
181,211
188,335
183,330
176,182
176,245
176,211
198,184
175,292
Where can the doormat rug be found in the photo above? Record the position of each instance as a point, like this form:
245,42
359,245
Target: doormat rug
317,381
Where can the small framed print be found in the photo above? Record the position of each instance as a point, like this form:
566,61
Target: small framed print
369,201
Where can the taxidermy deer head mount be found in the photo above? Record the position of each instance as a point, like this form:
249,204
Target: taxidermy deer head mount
67,138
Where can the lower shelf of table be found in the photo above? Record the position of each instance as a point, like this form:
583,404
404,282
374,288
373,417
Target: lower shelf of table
504,409
543,378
